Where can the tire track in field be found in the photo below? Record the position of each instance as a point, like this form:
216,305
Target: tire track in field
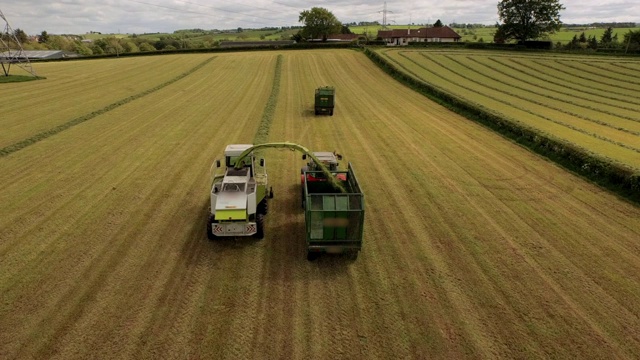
60,128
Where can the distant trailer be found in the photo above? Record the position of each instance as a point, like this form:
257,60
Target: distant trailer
325,100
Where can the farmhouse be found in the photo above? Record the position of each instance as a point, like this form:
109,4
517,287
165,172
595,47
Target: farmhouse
401,37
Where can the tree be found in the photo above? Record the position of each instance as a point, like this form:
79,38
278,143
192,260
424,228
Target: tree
21,36
499,37
632,39
319,23
438,23
592,43
345,30
573,44
607,37
147,47
528,19
82,49
582,38
44,37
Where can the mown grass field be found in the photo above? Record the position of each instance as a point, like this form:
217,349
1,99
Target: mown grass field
592,102
473,246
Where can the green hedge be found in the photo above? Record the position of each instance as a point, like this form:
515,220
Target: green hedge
614,176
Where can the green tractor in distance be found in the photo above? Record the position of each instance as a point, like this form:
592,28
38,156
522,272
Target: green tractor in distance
325,100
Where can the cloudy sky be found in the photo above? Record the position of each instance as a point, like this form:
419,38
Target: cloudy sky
140,16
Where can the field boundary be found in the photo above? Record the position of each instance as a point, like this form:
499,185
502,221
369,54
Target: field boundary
270,107
79,120
614,176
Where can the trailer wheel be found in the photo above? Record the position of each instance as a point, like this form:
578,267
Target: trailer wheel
210,235
260,227
353,255
312,255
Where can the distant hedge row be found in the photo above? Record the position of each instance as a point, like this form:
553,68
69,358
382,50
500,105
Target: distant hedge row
614,176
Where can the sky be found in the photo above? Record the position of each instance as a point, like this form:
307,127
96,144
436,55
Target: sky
151,16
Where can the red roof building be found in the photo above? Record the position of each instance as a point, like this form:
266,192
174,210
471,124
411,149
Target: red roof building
400,37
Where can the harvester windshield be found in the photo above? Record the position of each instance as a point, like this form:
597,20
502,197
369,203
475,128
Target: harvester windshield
233,187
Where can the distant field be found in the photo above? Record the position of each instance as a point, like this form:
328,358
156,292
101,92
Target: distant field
591,102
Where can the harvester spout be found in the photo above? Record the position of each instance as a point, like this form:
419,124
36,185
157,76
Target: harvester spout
297,147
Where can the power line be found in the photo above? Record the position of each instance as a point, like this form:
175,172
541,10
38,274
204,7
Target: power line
9,56
384,15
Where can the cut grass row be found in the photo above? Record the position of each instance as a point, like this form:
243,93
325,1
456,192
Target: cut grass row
504,90
583,84
512,105
605,162
545,81
267,116
506,95
68,92
45,134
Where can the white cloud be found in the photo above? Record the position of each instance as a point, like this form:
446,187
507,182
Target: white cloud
139,16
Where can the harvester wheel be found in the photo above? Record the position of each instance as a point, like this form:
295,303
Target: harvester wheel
260,227
263,207
331,112
353,255
210,235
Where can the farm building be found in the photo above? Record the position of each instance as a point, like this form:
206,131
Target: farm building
42,54
401,37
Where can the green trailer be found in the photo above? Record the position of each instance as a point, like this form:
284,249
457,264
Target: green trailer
325,100
334,218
